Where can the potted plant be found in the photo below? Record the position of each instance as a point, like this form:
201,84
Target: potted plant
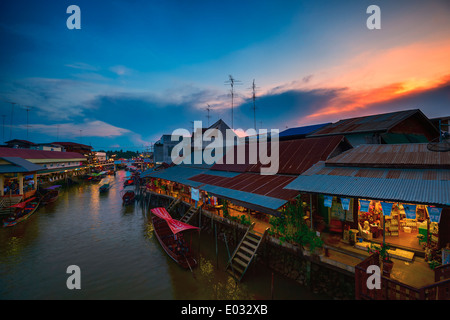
386,264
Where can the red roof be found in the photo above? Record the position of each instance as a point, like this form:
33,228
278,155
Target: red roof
413,155
38,154
295,156
373,123
73,144
267,185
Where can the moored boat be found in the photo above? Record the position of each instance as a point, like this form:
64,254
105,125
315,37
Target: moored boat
169,233
50,194
104,188
128,195
23,210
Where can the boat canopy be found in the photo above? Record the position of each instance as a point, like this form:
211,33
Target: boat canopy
22,204
53,187
175,225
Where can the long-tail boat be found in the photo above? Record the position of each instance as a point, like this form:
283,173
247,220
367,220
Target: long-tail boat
128,195
50,194
169,233
23,210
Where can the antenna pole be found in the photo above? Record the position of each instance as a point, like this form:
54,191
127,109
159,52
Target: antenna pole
254,101
208,116
232,82
28,109
12,112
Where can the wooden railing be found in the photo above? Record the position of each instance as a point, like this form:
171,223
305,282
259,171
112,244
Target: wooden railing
391,289
442,272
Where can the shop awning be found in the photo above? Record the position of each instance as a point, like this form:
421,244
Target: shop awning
246,199
17,165
182,173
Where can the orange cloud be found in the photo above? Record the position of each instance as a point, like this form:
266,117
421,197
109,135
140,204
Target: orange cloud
383,76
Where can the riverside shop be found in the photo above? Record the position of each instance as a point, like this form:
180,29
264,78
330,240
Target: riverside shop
412,226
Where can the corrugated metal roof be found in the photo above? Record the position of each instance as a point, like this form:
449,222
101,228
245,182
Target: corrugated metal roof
180,174
402,185
414,155
19,165
372,123
247,197
299,131
39,154
267,185
295,156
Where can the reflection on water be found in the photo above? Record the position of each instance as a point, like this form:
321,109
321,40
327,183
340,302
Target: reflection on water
118,255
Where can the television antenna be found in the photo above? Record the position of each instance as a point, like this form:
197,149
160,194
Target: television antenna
12,113
254,88
27,108
232,82
208,116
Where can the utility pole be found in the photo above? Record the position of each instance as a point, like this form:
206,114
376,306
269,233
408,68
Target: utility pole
28,109
3,116
232,82
208,116
254,101
12,112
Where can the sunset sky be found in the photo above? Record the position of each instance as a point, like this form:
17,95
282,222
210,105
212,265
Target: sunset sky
139,69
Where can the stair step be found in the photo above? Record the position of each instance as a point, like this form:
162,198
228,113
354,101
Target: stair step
243,256
237,268
254,237
251,245
249,251
240,262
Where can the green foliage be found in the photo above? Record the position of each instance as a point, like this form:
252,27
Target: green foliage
291,227
243,219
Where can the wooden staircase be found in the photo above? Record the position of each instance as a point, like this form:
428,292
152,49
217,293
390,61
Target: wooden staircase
245,252
173,204
189,214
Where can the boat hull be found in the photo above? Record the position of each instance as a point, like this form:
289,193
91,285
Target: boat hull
12,223
165,238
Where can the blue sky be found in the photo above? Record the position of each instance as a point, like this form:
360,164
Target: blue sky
140,69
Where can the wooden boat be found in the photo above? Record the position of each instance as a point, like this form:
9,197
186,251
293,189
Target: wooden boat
128,195
169,233
23,210
128,182
104,188
50,194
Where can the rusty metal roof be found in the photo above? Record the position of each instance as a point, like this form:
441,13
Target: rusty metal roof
372,123
425,186
267,185
295,156
392,156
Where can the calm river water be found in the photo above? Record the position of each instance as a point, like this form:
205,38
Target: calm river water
118,255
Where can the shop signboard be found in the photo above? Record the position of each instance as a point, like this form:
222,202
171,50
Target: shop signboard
195,194
364,205
345,203
410,211
387,208
434,213
327,200
337,212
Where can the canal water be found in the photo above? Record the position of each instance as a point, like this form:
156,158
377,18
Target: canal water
118,255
